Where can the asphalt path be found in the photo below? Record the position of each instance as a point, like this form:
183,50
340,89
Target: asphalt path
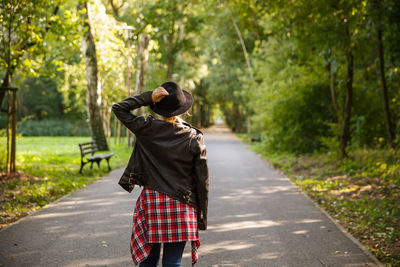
257,217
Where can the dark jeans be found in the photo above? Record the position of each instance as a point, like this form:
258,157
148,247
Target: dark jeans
172,255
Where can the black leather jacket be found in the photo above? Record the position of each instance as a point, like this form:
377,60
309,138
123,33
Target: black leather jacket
169,158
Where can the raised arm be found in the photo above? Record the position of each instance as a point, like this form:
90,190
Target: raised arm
123,109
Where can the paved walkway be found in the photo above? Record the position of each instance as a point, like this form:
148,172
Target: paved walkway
257,217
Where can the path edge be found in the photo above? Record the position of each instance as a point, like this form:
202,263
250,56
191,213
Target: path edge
335,222
338,225
55,202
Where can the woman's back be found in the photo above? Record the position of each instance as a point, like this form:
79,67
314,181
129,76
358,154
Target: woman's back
170,149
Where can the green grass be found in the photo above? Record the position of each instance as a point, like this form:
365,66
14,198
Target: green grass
51,165
362,192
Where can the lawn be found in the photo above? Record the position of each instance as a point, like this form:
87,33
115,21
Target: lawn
47,169
362,192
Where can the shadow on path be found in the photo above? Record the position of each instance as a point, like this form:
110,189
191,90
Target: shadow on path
257,217
88,228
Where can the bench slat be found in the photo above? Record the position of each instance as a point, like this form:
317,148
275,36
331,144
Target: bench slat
88,152
90,148
87,143
104,156
100,156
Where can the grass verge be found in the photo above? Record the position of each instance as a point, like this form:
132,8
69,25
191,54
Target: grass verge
47,169
361,192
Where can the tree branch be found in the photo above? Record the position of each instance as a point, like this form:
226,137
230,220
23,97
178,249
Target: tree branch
114,8
244,48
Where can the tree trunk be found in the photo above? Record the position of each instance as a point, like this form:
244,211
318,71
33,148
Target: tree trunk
237,119
143,57
5,84
8,134
332,77
171,61
108,119
171,43
129,134
115,132
93,99
13,132
194,111
386,110
203,113
10,67
118,132
345,134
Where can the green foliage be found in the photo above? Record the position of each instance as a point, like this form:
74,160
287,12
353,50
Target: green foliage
54,127
229,77
284,94
202,113
73,90
39,97
298,60
174,21
291,103
34,27
112,56
26,21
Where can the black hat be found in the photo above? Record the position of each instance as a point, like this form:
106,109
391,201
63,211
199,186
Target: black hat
177,102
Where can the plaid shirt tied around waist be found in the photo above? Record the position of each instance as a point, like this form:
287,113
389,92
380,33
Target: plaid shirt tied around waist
159,218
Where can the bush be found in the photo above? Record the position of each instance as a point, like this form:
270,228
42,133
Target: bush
53,128
298,120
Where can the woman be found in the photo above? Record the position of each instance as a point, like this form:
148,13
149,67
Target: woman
170,162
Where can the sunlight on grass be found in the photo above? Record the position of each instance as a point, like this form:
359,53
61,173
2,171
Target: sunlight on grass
52,165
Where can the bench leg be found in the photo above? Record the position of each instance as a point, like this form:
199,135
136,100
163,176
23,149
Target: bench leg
91,165
80,170
108,163
98,163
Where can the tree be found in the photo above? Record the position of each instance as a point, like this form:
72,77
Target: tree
345,133
378,18
229,46
143,57
327,28
93,85
24,24
174,25
202,107
23,27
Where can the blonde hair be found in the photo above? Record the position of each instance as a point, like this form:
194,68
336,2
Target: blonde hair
172,120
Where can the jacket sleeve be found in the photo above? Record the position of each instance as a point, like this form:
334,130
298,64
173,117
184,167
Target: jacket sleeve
122,111
202,181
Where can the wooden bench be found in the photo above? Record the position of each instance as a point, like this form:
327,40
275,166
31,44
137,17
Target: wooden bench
91,148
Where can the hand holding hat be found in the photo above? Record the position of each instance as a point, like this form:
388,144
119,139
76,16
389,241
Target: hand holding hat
159,94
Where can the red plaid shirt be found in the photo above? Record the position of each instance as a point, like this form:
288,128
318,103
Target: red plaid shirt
159,218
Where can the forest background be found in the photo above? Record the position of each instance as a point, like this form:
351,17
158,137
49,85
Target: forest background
315,83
